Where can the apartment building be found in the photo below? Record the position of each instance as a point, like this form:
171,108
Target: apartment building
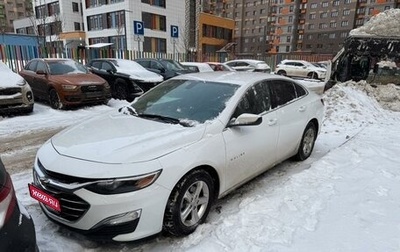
11,10
143,25
301,26
58,23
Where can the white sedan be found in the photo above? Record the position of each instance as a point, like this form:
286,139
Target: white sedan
160,163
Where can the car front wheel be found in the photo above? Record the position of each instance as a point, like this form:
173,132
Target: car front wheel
281,72
54,100
307,142
189,203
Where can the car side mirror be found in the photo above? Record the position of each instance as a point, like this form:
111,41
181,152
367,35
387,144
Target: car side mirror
245,119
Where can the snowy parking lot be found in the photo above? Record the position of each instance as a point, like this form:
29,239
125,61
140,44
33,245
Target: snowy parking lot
344,198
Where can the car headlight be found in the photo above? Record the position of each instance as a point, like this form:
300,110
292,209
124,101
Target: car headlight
123,185
70,87
22,83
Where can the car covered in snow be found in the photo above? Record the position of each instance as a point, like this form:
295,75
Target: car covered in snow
15,93
162,161
127,78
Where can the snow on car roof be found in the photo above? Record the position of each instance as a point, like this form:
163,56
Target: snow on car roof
233,77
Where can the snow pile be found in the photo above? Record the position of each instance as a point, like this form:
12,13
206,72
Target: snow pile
383,24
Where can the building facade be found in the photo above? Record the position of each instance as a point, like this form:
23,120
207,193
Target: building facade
298,26
11,10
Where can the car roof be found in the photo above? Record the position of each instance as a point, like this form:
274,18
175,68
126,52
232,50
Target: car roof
245,60
238,78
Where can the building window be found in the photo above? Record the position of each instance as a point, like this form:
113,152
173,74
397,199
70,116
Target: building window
288,38
333,24
323,15
154,22
334,13
332,35
325,4
323,26
312,16
314,5
77,26
346,12
311,26
345,23
289,28
75,7
347,1
159,3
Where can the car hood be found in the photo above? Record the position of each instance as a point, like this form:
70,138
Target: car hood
143,76
78,79
10,79
119,138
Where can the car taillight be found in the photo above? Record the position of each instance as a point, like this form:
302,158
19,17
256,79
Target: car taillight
8,200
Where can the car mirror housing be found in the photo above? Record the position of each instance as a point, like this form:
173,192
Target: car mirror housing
42,72
245,119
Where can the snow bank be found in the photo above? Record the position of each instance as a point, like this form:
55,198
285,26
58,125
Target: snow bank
383,24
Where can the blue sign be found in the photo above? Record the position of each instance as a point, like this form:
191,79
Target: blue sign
138,27
174,31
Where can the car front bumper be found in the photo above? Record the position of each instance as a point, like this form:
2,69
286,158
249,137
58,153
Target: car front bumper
16,99
120,217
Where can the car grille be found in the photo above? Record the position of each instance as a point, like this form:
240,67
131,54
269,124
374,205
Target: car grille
92,88
10,91
72,206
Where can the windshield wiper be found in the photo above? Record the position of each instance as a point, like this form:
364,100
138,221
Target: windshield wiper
165,119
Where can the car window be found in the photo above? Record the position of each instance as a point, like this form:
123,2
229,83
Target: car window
96,64
242,64
31,66
144,63
66,67
41,66
192,100
255,101
300,91
106,66
282,92
156,65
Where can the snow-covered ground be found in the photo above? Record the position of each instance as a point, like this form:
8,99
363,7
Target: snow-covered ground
345,197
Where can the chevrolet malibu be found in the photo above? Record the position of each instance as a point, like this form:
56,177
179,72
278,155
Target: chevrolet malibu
160,163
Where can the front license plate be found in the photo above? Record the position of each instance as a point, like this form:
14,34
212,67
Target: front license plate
44,198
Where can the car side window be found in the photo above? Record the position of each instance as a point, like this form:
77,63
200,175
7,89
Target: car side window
282,92
96,64
32,66
156,65
106,66
255,101
41,66
300,91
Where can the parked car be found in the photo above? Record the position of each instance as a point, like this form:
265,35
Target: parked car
17,230
127,78
162,161
15,93
197,66
168,68
300,68
249,65
218,66
65,82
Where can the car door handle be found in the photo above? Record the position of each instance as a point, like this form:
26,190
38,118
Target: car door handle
302,108
272,122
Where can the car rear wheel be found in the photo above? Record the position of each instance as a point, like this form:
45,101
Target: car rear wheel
281,72
307,142
54,100
312,75
189,203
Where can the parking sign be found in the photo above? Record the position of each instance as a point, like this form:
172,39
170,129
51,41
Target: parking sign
138,27
174,31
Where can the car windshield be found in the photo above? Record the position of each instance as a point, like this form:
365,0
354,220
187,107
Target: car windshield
66,67
172,65
191,100
128,65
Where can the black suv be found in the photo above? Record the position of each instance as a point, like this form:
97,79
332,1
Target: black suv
127,78
168,68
